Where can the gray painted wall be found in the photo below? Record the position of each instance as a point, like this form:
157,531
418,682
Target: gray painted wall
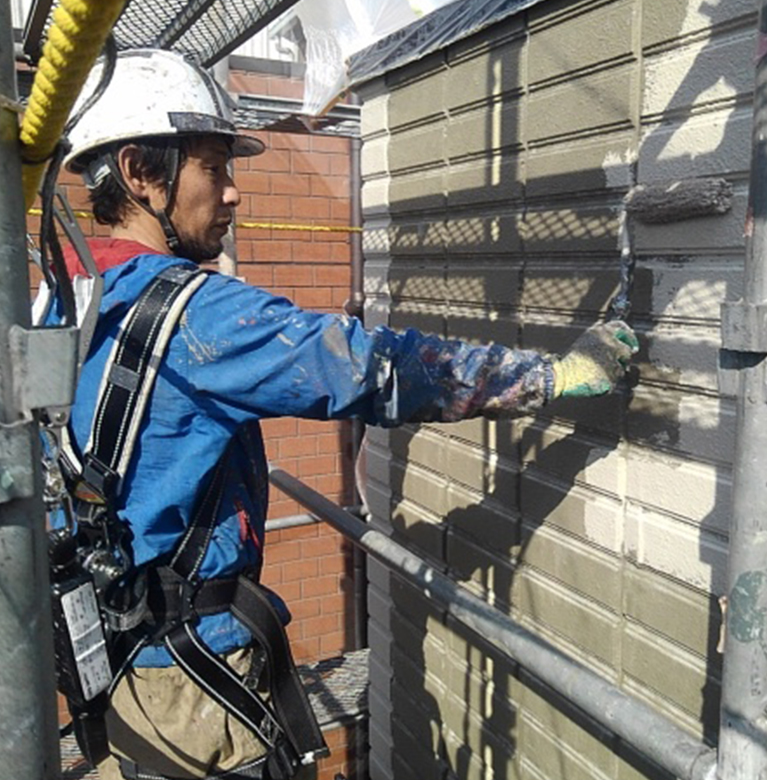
494,172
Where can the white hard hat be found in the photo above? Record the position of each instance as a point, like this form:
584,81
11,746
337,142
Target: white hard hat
153,93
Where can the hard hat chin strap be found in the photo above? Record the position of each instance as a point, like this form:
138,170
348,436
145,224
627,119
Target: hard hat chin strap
173,158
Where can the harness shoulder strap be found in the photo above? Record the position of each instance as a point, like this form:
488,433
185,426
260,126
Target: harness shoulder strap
130,374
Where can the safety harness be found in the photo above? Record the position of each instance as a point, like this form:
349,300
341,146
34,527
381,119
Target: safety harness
161,602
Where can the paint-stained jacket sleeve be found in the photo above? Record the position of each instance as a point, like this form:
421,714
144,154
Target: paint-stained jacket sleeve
250,352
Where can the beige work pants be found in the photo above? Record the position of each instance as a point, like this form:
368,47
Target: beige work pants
163,721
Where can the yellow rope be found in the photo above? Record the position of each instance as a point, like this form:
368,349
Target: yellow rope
77,34
258,225
308,228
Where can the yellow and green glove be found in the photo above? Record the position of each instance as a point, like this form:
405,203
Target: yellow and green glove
596,361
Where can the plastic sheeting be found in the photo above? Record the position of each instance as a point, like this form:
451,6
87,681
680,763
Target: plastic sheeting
351,41
333,32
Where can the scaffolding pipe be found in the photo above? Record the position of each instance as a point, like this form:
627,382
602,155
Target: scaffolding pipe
29,733
653,735
743,724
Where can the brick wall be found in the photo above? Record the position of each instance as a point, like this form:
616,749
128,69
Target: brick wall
302,181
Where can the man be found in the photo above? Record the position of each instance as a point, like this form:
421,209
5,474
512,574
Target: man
154,151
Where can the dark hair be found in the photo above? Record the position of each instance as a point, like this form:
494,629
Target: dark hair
110,202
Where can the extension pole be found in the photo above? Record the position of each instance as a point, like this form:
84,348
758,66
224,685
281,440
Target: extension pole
743,734
28,727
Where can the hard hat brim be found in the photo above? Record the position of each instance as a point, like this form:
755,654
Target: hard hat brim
247,146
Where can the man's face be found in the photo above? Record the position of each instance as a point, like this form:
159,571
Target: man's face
205,199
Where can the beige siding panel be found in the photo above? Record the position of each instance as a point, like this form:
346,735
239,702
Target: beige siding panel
586,103
676,549
698,492
687,617
584,569
579,42
578,621
581,165
714,143
662,21
701,73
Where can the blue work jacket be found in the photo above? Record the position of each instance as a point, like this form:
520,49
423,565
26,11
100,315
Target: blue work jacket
240,354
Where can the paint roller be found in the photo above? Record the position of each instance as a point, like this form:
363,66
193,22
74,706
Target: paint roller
663,203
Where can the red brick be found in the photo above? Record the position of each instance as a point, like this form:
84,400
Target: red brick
328,144
258,274
280,426
315,164
333,644
340,209
303,609
291,184
271,207
332,564
276,160
288,141
247,82
285,551
319,464
298,275
323,624
333,275
340,253
312,252
305,650
340,164
320,298
311,208
292,572
254,182
305,445
330,186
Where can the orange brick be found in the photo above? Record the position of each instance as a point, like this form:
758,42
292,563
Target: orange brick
316,251
304,609
283,552
291,184
320,298
329,145
303,533
279,427
319,464
311,208
329,186
254,182
321,625
333,276
296,274
333,643
291,572
325,585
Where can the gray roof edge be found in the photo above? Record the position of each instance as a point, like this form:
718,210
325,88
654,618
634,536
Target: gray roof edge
435,31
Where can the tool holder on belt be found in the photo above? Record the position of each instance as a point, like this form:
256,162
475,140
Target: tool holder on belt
162,603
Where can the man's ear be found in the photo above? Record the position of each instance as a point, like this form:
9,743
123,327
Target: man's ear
135,180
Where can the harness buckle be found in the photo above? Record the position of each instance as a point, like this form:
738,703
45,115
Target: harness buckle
100,477
187,593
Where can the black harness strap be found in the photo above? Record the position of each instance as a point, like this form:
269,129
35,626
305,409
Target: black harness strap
295,717
252,607
128,381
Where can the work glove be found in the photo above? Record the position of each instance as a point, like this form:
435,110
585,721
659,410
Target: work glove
596,361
